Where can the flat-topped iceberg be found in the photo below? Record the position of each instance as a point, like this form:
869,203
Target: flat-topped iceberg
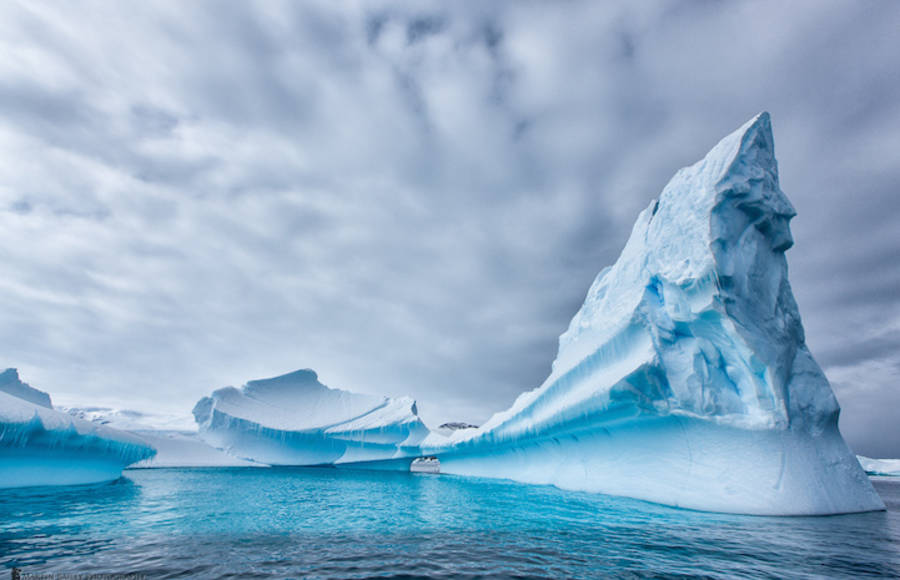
684,378
41,446
294,419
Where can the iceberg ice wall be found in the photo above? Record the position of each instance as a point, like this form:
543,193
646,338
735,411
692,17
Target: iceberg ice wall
684,378
294,419
40,446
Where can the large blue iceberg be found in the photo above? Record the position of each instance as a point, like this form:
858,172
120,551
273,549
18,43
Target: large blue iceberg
684,378
41,446
294,419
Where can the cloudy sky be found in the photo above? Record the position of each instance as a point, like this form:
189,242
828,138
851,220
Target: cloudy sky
414,198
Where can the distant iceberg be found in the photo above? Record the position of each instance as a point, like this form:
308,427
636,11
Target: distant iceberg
884,467
294,419
131,419
185,449
684,379
41,446
175,438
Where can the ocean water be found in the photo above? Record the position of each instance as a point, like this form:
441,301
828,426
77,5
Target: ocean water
310,522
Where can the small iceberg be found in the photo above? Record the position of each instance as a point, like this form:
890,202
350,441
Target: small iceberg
294,419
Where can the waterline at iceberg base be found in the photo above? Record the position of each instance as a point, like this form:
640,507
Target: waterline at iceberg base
684,379
686,462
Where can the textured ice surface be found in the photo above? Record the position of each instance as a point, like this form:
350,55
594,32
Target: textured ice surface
294,419
889,467
11,384
40,446
684,378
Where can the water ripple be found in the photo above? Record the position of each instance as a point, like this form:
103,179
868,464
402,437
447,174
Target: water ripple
334,523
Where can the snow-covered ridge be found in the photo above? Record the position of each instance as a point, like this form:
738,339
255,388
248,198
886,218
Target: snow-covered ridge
294,419
131,420
684,378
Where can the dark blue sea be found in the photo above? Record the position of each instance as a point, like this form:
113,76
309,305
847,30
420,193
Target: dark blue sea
336,523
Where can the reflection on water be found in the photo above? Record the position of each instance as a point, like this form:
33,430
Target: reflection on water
39,523
342,523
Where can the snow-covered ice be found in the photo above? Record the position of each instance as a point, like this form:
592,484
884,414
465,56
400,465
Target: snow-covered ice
185,449
41,446
684,378
294,419
131,419
886,467
175,438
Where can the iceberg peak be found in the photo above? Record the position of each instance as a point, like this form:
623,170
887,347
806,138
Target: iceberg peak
705,261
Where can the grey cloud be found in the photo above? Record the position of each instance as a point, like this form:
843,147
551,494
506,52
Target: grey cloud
413,198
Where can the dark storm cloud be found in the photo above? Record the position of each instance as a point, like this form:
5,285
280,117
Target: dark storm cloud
414,198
